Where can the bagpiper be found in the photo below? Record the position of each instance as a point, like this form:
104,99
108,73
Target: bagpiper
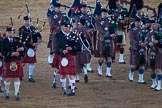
12,51
137,52
152,51
106,27
30,38
87,16
67,44
55,17
85,47
120,13
156,52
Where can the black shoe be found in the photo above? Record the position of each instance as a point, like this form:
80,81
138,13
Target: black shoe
69,87
64,92
130,80
122,62
108,76
91,71
31,80
76,81
7,96
86,78
71,94
54,85
21,78
99,75
142,82
1,91
17,97
157,89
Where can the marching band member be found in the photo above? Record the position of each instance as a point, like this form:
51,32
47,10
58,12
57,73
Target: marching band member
87,17
30,38
12,51
137,52
157,42
106,45
151,51
67,44
120,12
78,55
85,48
55,16
1,64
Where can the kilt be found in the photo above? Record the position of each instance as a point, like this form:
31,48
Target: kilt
158,61
8,73
134,57
100,46
70,69
28,59
56,61
109,51
85,57
78,63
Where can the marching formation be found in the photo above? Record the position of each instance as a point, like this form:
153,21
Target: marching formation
77,35
102,33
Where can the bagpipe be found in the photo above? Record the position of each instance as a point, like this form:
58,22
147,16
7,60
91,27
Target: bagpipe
133,10
158,36
34,31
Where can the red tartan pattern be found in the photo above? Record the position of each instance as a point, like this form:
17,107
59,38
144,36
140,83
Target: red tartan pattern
56,61
28,59
7,73
70,69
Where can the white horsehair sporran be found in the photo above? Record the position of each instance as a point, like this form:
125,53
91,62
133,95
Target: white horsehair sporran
13,66
30,52
64,61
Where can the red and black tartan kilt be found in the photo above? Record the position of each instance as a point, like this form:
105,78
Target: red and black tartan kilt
7,73
70,69
56,61
28,59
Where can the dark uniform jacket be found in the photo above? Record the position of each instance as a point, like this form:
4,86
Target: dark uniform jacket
9,47
29,35
134,38
63,41
54,19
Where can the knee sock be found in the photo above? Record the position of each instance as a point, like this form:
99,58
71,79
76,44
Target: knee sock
31,70
17,87
7,86
72,85
63,83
